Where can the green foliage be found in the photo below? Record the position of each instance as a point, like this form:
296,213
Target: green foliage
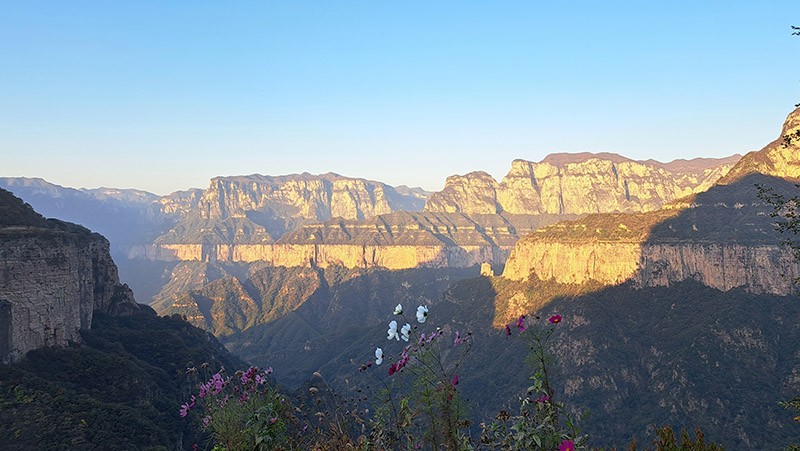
542,422
120,389
242,412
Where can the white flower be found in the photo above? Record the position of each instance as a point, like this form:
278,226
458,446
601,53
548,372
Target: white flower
422,313
404,332
378,356
398,310
393,331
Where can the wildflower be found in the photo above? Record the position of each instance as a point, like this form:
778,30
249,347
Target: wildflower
268,370
206,421
393,331
455,380
555,319
398,310
422,313
273,420
185,408
459,339
508,330
543,399
405,331
378,356
521,323
567,445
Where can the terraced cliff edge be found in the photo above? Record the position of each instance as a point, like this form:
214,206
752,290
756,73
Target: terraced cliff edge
723,238
53,276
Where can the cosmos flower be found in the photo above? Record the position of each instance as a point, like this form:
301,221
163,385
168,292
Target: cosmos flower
567,445
398,310
406,329
521,323
185,408
555,319
422,313
393,331
378,356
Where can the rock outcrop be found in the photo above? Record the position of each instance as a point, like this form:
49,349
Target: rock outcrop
579,184
723,238
53,276
395,241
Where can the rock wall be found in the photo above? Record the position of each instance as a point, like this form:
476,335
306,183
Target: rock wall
767,269
324,255
51,282
579,184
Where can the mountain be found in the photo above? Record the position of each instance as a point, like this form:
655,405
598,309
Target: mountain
53,277
723,238
579,183
82,365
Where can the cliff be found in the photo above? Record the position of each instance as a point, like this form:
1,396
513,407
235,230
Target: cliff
723,238
53,276
395,241
579,184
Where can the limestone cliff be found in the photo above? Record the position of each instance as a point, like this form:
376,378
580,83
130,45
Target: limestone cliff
396,241
53,276
579,184
723,238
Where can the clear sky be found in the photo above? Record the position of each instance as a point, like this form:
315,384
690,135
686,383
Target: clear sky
163,96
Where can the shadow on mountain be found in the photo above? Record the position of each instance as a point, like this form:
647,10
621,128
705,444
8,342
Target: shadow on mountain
339,326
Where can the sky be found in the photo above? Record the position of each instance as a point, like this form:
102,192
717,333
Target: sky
163,96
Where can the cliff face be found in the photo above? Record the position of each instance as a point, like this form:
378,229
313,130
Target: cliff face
303,196
723,238
53,276
579,184
394,241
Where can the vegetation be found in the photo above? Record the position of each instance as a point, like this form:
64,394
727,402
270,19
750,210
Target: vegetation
122,388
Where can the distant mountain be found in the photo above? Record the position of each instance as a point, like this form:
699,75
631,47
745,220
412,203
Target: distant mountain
723,238
579,183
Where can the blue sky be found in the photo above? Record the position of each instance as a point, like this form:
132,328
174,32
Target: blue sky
165,95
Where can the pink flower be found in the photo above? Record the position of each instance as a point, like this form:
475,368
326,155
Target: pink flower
543,398
455,380
567,445
555,319
521,323
508,330
185,408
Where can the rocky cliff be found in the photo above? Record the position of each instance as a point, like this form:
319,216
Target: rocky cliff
53,276
579,184
395,241
723,238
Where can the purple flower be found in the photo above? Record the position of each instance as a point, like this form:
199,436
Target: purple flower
555,319
508,330
185,408
521,323
567,445
455,380
543,399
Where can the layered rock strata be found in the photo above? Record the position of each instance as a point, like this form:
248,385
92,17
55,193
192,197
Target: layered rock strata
723,238
579,184
393,241
53,276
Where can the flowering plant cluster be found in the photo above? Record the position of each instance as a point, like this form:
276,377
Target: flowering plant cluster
542,423
431,412
241,411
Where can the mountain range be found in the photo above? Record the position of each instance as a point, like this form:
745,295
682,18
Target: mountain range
676,291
